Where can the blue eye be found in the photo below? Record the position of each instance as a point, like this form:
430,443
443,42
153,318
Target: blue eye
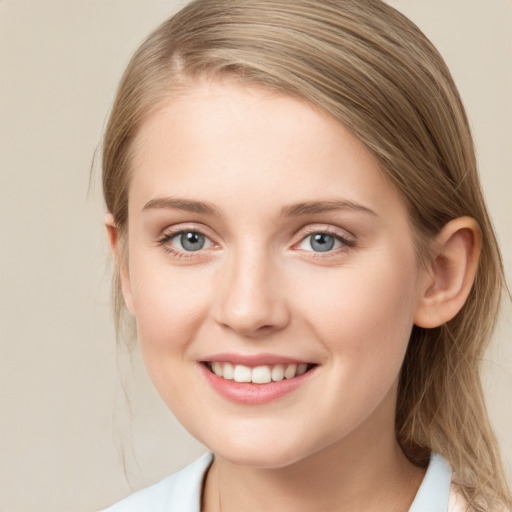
321,242
190,241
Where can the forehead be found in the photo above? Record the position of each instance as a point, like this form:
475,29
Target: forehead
225,142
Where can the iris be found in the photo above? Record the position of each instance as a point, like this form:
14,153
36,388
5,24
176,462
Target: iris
322,242
192,241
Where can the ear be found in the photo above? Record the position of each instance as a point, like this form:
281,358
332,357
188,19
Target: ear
451,273
119,260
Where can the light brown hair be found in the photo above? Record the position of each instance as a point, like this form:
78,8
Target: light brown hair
376,73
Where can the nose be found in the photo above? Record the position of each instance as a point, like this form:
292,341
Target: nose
251,298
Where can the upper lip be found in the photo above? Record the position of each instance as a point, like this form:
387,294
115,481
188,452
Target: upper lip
254,359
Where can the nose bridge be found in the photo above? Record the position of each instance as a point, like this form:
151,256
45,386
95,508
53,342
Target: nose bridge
250,299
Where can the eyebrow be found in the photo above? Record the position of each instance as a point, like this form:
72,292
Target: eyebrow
293,210
177,203
311,207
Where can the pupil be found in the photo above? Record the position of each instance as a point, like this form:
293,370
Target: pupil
192,241
322,242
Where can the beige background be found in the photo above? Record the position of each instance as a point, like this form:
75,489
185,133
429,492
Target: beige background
64,425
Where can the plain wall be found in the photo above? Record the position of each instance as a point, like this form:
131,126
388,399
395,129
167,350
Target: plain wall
64,426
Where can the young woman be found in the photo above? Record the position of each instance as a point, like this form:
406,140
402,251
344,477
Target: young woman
299,235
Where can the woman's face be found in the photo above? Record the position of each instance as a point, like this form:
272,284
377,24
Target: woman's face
264,240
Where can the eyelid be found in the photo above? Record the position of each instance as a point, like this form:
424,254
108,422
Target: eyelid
328,229
187,227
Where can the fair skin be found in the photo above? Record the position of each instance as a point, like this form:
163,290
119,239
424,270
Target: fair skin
266,278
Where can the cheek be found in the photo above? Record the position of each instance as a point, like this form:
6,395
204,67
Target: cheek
364,314
170,309
170,305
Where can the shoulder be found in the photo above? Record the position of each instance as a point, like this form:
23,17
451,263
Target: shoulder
179,492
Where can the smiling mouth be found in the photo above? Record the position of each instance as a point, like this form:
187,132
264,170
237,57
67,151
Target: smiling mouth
262,374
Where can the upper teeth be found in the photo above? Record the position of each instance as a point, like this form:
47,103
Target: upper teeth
258,374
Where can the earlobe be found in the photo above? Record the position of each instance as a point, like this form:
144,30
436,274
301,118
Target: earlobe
119,260
451,273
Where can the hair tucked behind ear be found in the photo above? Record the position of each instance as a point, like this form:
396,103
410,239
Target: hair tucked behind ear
378,75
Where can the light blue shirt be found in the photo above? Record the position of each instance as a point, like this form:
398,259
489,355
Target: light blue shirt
181,492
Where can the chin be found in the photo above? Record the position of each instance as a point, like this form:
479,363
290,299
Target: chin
255,457
263,450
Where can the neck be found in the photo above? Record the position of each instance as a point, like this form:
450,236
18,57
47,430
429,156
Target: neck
345,476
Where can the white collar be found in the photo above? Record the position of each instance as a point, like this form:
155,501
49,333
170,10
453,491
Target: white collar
434,492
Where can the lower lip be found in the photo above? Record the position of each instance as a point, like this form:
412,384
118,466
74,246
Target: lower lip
254,394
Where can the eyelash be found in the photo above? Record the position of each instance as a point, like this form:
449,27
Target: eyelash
177,253
347,243
166,238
